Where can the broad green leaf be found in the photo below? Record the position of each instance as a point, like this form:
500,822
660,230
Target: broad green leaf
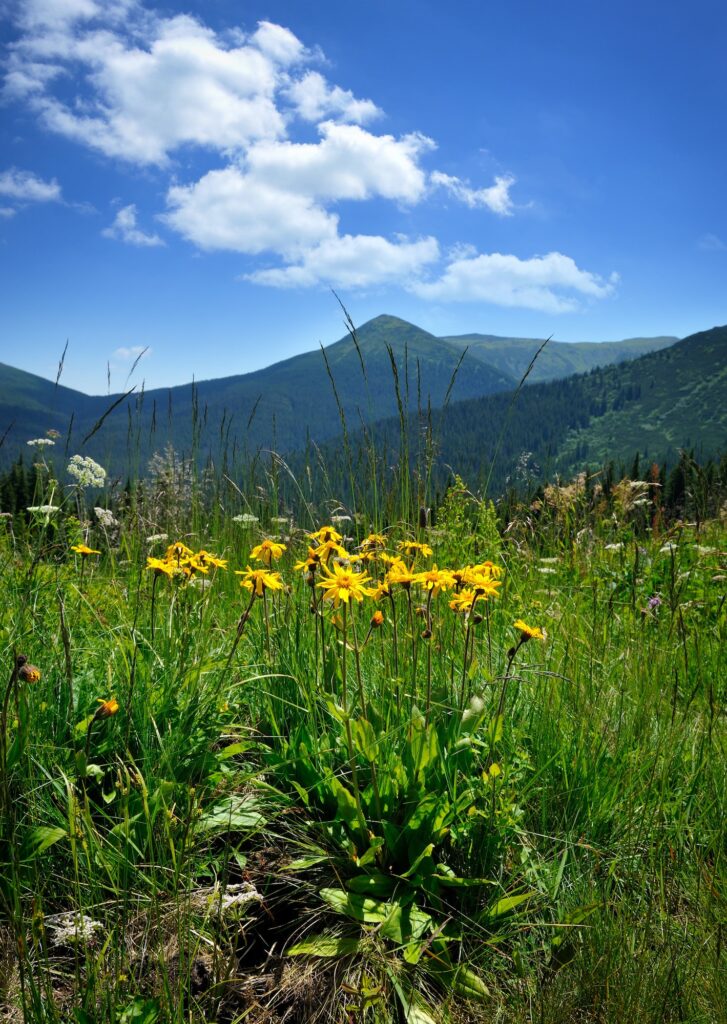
233,814
325,946
508,903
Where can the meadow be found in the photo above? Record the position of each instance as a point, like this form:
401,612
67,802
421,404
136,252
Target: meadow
274,764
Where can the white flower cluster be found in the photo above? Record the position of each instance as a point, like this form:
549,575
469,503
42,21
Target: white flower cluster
43,510
247,519
86,472
157,537
71,928
234,897
107,519
41,442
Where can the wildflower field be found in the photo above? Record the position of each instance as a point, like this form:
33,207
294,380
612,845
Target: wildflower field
326,766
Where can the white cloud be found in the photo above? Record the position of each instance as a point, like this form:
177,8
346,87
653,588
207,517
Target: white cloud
354,261
134,352
551,284
348,163
278,43
495,198
315,100
230,210
6,212
711,243
125,229
179,86
28,187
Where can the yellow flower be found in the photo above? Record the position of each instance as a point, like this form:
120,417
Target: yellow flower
344,584
381,591
260,580
377,619
435,579
325,534
528,632
206,558
328,548
482,584
466,599
392,559
107,708
413,547
26,672
177,551
373,541
159,566
268,551
84,550
399,573
309,563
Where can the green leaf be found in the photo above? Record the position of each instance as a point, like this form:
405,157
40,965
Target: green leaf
508,903
325,946
233,814
40,838
494,730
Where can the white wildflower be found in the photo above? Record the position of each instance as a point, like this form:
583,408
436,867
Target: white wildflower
106,517
86,472
548,561
155,537
214,900
706,551
246,518
546,570
340,519
667,549
44,510
72,928
614,547
41,442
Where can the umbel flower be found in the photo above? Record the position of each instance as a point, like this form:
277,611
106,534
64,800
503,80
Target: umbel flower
344,585
260,580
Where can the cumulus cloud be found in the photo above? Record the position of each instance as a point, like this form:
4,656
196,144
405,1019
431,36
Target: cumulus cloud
550,284
354,261
231,210
27,187
496,197
315,100
125,229
141,87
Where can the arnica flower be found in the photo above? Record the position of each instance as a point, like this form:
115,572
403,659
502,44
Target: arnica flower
260,580
107,707
328,548
206,558
528,632
177,551
377,619
343,585
374,541
413,547
161,567
26,672
309,564
268,551
435,580
399,574
483,584
84,550
465,600
381,591
325,534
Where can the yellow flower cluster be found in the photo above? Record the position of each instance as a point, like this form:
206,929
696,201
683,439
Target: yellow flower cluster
179,560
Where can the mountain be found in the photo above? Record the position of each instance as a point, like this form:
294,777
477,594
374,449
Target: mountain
280,406
654,405
559,359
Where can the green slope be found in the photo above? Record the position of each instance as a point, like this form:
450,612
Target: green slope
281,405
559,359
671,399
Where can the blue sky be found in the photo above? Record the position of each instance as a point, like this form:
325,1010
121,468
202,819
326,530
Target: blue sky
195,178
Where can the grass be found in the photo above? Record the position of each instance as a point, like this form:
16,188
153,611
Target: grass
296,815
